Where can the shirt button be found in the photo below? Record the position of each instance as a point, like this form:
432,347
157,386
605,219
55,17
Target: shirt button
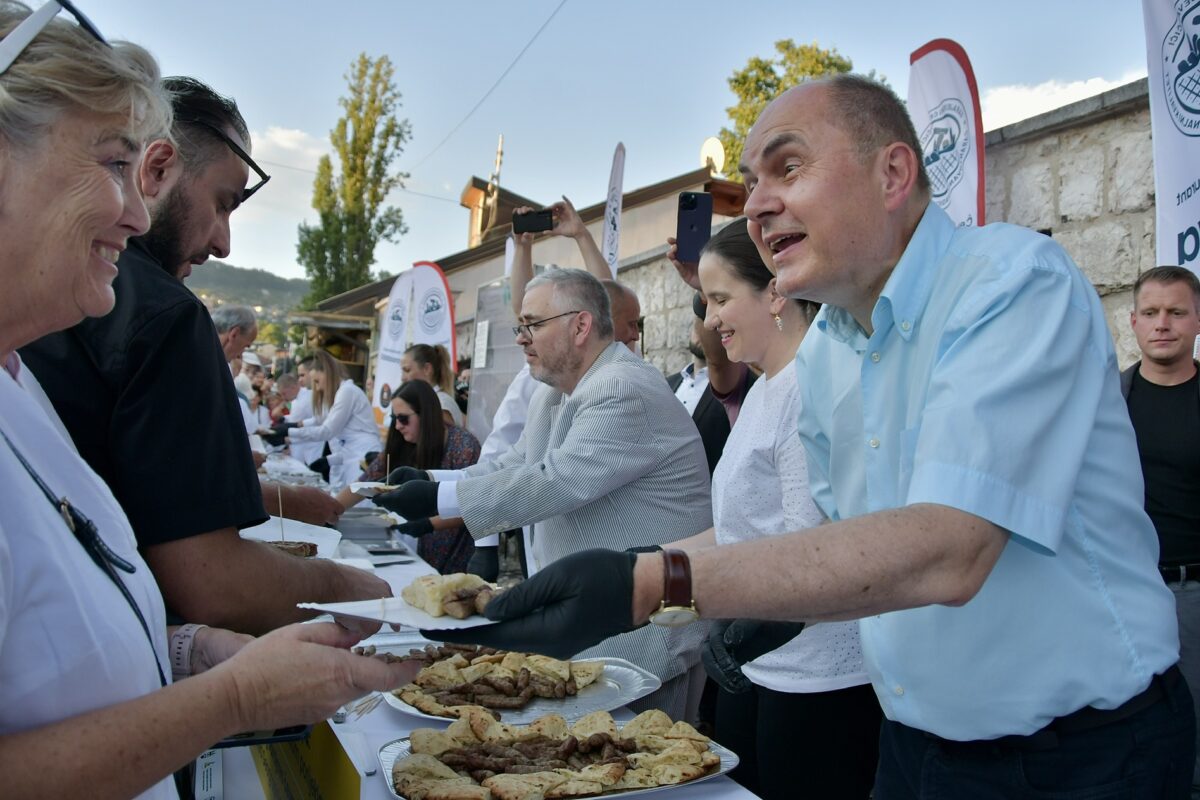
874,443
905,325
899,690
875,357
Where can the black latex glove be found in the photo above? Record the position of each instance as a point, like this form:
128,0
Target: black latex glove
574,603
275,438
734,642
413,500
402,475
485,562
414,527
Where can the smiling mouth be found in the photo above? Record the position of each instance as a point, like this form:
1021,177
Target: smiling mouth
107,252
784,242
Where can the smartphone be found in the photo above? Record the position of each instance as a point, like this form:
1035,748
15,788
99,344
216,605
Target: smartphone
694,226
386,549
533,221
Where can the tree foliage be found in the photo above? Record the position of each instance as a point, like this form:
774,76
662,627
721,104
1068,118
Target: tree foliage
764,79
338,252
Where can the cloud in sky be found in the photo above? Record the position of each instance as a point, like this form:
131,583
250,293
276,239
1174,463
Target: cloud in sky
1004,105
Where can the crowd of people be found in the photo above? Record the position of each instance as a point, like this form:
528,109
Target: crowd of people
943,547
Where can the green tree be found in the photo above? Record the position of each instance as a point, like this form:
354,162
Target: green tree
764,79
273,333
338,252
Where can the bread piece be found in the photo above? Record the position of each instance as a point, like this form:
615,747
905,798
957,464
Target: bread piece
604,774
460,729
431,741
476,671
444,790
429,592
647,722
669,774
487,728
552,726
513,661
586,672
549,667
532,786
575,788
595,722
682,730
440,675
635,779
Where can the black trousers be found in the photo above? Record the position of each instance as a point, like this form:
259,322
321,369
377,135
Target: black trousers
822,744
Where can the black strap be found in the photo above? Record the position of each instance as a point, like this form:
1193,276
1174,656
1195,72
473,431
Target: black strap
90,540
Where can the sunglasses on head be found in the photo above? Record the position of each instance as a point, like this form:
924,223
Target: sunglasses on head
19,38
237,151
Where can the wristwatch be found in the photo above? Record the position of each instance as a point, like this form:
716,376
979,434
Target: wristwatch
677,607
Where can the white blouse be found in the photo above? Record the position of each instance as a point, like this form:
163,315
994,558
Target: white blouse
760,488
69,642
448,404
349,427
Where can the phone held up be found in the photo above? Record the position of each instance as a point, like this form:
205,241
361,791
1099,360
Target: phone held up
694,226
533,221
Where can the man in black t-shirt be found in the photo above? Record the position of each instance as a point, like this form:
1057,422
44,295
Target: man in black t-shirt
148,399
1163,393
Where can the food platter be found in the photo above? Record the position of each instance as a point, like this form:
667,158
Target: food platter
394,611
620,684
393,751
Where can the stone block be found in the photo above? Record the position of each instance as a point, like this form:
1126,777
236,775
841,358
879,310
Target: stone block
651,296
654,333
1132,184
1106,251
1116,310
1031,199
1081,184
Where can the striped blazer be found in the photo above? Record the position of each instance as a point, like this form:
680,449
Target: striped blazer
615,464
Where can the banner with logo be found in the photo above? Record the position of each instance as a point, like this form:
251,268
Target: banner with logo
418,311
612,210
1173,65
943,102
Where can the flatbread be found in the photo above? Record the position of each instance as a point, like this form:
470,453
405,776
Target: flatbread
585,673
595,722
647,722
550,667
430,592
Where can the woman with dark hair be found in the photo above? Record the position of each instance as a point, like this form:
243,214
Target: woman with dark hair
431,363
419,437
760,488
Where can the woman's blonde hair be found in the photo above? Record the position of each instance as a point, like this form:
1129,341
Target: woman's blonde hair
66,69
438,357
322,399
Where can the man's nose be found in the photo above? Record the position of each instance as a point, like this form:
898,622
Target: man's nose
220,244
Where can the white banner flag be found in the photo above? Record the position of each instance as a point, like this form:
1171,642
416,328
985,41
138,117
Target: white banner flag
418,311
612,210
943,102
1173,64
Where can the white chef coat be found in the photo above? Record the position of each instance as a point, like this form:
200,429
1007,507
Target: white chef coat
349,427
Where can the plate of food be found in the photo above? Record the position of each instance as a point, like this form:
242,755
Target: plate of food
481,758
431,602
295,537
370,488
516,687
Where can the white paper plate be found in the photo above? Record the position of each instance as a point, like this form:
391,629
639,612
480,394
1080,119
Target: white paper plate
326,539
370,488
395,611
392,752
620,684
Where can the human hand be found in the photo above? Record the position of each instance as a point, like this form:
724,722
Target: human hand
402,475
733,643
306,504
303,674
415,528
212,646
574,603
688,271
567,221
416,499
259,458
523,239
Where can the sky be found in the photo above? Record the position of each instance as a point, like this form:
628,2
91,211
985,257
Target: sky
648,73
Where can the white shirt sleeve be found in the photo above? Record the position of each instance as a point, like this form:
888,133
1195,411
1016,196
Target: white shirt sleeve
448,499
333,424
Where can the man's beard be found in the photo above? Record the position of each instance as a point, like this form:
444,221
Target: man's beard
164,240
696,350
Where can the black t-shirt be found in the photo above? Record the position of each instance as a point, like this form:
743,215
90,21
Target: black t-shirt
146,394
1166,420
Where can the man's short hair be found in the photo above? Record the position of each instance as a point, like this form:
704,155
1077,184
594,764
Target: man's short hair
874,117
198,109
1168,274
286,380
580,291
228,317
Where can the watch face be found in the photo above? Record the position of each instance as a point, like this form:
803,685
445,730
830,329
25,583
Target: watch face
674,616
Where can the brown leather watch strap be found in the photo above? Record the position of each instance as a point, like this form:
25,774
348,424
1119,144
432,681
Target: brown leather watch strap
677,579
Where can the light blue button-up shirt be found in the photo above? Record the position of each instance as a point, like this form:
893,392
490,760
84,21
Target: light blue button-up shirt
990,385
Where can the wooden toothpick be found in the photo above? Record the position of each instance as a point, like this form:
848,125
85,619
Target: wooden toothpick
282,532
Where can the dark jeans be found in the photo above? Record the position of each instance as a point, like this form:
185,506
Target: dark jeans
1147,755
817,745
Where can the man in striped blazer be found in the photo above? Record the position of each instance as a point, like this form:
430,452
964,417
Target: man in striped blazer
609,458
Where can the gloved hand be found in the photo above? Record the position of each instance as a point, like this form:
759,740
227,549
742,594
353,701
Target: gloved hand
485,562
734,642
402,475
574,603
414,500
278,433
414,527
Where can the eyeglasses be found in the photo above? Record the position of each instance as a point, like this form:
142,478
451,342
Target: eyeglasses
237,150
400,419
529,327
19,38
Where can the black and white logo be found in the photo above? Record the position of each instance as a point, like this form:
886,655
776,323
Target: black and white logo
433,311
1180,59
395,321
945,143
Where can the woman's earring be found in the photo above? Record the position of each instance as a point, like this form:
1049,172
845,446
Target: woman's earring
778,321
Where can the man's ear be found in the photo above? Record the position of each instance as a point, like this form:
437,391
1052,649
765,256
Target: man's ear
585,322
900,168
160,168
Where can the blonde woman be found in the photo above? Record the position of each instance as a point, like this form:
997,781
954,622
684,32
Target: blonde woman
431,363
